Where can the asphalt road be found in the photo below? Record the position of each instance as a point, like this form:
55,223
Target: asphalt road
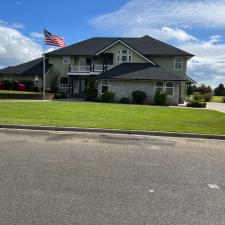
66,178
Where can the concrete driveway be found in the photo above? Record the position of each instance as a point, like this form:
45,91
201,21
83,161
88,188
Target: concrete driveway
216,106
61,178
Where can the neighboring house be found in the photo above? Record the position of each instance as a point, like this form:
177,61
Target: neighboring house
121,65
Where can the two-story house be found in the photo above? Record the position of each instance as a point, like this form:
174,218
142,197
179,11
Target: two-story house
121,66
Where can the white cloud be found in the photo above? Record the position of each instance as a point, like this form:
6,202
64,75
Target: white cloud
16,48
165,34
208,65
15,25
164,13
37,35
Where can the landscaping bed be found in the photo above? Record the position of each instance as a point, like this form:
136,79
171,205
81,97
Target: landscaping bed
115,116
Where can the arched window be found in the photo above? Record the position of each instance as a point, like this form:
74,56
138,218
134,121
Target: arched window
178,63
124,55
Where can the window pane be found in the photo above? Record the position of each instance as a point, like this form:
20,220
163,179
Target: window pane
169,91
178,59
178,66
64,80
105,82
159,84
66,60
158,90
129,58
124,51
104,89
124,58
169,84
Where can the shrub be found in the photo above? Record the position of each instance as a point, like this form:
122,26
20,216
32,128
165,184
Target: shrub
2,87
197,96
7,84
125,100
60,95
139,96
208,96
36,89
160,98
197,101
107,97
21,87
29,84
91,90
196,104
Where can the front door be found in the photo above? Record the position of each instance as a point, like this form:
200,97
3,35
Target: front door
83,85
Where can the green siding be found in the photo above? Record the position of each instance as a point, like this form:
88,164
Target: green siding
135,57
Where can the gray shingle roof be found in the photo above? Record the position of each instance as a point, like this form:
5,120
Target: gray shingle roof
34,67
139,71
145,45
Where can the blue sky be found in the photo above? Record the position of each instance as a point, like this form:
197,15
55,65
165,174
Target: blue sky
195,26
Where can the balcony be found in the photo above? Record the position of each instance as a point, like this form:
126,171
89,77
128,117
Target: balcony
93,69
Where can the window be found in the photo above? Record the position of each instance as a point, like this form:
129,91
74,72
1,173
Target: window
178,63
64,82
105,86
169,88
124,55
66,60
159,87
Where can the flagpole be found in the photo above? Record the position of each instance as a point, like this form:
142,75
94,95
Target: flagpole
44,67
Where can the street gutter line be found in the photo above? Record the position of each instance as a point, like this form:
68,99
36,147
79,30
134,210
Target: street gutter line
114,131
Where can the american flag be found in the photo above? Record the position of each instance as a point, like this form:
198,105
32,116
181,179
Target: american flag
51,39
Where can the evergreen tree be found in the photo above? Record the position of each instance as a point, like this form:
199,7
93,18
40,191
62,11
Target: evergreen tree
220,90
92,89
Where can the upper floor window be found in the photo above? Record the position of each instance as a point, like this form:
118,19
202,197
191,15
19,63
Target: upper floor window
66,60
64,82
178,63
124,55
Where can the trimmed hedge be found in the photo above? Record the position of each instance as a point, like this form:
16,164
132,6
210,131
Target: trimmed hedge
29,96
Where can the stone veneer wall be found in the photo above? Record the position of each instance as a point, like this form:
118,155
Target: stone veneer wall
124,88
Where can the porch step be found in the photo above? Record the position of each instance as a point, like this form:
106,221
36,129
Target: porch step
78,95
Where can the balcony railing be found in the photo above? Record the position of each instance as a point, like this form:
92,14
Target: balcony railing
88,69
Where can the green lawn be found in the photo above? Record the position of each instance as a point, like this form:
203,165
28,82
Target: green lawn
217,99
11,92
84,114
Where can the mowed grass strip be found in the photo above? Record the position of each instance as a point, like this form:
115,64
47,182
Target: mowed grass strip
117,116
219,99
12,92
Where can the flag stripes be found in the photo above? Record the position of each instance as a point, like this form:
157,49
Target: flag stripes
54,40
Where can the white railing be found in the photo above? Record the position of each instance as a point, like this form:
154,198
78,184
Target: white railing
80,69
88,69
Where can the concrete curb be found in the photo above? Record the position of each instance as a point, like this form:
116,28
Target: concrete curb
113,131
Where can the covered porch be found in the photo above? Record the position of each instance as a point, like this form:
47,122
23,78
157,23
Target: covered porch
78,85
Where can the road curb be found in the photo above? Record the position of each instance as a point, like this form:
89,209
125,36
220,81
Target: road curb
113,131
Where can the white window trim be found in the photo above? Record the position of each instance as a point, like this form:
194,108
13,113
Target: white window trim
127,47
120,55
63,85
104,86
64,60
164,87
180,63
